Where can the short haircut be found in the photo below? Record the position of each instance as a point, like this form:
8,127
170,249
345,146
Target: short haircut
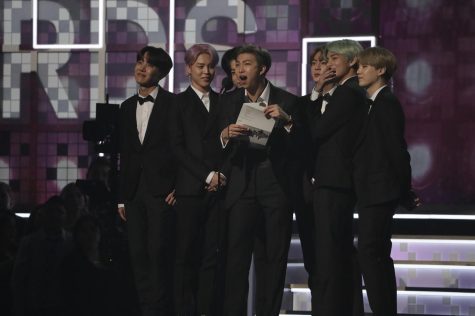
196,50
229,56
262,55
158,57
319,49
346,47
379,57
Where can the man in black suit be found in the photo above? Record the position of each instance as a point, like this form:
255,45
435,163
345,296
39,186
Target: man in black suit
342,60
303,161
147,176
195,144
257,202
382,178
336,124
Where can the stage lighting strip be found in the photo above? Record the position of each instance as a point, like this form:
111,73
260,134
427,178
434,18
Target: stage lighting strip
411,266
426,216
403,292
99,45
417,240
397,216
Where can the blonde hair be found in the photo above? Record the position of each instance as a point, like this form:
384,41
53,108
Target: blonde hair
346,47
379,57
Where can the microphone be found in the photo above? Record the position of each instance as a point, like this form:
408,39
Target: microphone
226,84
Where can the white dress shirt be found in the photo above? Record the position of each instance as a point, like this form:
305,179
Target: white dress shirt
143,114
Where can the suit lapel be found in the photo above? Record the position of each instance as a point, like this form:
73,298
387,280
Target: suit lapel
272,95
196,110
213,111
241,99
196,103
132,118
370,117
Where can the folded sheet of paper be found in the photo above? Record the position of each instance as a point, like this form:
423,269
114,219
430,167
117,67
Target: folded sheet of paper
252,116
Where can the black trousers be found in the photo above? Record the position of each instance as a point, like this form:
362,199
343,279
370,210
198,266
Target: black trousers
374,254
150,223
261,221
302,197
332,275
199,255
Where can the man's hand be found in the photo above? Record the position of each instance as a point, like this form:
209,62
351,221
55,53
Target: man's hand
327,76
170,199
121,211
274,111
233,130
216,183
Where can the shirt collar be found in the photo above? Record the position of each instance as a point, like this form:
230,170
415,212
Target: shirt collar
330,92
264,97
199,93
154,93
375,94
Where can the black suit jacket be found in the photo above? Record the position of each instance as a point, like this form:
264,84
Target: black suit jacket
278,146
382,163
334,135
304,115
152,159
195,141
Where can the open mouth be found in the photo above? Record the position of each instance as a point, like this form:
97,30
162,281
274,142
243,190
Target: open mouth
243,78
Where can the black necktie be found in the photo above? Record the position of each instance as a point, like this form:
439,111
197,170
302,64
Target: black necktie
326,97
148,98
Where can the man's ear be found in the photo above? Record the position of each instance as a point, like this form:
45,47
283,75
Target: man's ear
263,70
381,71
187,70
353,62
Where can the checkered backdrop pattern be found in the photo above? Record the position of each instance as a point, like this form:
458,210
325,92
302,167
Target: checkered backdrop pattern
46,95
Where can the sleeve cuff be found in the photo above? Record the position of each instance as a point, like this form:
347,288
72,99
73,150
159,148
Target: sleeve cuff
222,142
209,177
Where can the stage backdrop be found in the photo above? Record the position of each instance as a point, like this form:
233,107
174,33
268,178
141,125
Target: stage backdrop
48,90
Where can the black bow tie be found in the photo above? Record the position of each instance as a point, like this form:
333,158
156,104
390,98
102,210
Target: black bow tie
324,97
148,98
369,102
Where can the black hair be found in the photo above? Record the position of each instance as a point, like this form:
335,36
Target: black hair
158,57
